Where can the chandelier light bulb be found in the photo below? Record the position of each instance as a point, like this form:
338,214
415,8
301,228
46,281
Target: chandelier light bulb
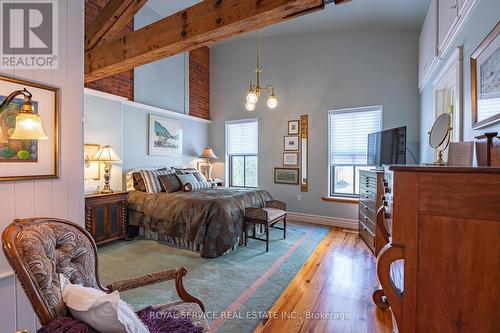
252,97
272,102
250,106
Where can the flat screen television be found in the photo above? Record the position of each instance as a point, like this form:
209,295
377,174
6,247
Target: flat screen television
387,147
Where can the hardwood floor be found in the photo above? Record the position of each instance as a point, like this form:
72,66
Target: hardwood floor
336,281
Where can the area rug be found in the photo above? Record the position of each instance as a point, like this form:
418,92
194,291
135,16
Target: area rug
237,288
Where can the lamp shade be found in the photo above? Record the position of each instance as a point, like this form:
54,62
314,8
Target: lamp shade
106,154
208,153
28,127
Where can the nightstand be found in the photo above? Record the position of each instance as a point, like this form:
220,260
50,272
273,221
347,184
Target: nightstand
106,216
217,182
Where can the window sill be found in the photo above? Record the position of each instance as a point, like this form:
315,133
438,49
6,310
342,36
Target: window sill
341,199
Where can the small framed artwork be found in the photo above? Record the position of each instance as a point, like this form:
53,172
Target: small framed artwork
165,136
204,168
485,80
92,169
293,127
286,176
26,158
290,159
291,143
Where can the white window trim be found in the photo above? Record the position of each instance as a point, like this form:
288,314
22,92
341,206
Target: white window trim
345,110
226,149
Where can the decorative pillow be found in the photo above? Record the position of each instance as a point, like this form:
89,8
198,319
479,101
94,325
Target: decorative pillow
187,178
170,183
183,171
191,187
139,184
103,312
151,180
199,176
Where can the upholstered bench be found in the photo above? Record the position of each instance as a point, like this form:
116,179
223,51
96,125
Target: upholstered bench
273,212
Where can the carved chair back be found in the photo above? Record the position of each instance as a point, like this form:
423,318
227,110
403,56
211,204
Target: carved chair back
39,250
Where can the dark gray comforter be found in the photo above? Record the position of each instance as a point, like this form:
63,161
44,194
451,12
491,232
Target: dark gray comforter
213,218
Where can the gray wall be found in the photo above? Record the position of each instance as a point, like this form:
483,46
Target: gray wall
163,83
480,23
314,73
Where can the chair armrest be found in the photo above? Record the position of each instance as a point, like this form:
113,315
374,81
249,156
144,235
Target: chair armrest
158,277
276,204
256,213
143,280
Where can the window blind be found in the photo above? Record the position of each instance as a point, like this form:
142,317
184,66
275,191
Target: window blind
348,134
242,137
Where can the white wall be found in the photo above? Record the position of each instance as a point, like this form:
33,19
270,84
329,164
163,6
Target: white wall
314,73
163,83
61,197
481,21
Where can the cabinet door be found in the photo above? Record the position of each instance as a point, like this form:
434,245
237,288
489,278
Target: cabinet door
447,19
99,218
428,42
115,228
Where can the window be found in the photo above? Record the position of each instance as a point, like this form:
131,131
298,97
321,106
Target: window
242,142
348,131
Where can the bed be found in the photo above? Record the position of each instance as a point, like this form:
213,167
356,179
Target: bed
207,221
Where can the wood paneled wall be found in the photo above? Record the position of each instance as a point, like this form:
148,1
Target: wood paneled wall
199,83
61,197
121,84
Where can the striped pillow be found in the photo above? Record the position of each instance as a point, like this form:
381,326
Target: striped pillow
196,186
150,177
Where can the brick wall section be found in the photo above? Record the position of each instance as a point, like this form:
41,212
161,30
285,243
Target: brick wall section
199,83
121,84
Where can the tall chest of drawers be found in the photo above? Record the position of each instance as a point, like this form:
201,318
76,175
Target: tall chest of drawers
370,199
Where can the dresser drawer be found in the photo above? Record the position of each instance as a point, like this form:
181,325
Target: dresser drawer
367,236
370,224
368,212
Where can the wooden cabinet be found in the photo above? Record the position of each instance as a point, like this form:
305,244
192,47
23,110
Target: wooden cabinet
443,227
370,194
443,22
428,51
106,216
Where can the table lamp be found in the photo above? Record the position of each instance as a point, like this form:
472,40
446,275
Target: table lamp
106,155
209,155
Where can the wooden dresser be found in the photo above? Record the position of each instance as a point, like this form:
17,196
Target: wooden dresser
106,216
442,227
370,199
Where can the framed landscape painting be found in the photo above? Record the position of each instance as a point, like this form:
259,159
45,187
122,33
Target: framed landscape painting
165,136
485,81
286,176
29,159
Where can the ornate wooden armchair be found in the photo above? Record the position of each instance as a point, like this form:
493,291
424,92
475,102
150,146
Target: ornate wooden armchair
39,249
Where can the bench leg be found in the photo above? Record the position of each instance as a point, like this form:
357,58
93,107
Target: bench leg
267,238
284,228
245,232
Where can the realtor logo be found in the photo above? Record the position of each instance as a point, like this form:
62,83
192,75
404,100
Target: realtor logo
28,38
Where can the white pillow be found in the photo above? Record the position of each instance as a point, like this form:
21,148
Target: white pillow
103,312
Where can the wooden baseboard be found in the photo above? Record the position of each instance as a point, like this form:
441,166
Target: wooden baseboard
323,220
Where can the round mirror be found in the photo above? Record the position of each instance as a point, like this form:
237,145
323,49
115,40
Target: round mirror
439,130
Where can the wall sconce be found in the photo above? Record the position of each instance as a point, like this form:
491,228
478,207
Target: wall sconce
28,123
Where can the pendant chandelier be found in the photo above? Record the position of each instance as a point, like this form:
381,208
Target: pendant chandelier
254,90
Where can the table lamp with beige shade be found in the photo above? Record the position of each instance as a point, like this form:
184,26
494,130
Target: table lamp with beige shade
209,155
106,155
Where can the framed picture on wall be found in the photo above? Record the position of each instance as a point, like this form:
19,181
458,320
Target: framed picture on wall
165,136
22,158
485,81
291,143
290,159
293,127
286,176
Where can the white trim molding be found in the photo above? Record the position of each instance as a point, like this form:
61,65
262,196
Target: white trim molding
164,111
7,274
323,220
103,94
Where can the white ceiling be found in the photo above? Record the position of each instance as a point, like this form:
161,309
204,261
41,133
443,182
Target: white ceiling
397,14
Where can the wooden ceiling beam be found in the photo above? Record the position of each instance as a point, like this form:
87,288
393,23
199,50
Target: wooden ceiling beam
110,21
200,25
